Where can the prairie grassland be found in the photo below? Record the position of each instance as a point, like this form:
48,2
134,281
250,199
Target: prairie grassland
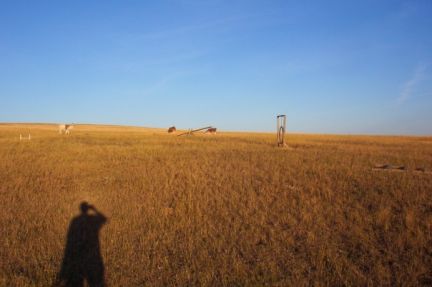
218,210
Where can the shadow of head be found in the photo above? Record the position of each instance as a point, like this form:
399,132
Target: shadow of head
84,207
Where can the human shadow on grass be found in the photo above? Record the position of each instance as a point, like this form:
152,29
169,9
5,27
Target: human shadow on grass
82,259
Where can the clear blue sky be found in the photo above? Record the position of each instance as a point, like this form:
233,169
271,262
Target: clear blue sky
331,66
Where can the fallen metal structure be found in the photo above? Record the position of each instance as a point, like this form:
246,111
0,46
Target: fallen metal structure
190,131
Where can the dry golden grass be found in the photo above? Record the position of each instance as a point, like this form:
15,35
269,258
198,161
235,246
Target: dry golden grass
218,210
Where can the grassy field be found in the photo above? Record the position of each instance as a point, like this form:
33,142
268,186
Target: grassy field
215,210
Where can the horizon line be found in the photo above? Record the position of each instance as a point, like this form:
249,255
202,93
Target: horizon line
227,131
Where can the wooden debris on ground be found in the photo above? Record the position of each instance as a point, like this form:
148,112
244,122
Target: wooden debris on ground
389,167
399,168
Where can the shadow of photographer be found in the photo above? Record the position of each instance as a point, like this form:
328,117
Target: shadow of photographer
82,259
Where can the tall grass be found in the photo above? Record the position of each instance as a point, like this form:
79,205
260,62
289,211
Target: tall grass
218,210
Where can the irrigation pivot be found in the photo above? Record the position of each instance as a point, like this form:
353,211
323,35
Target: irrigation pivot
281,127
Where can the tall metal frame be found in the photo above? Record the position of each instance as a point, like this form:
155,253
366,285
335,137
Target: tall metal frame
281,127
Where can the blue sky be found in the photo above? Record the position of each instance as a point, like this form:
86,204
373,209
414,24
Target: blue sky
332,66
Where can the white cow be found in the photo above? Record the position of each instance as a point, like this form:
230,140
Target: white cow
65,129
